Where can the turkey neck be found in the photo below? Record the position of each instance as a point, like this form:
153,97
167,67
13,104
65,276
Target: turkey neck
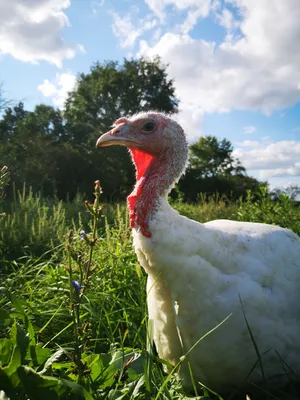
154,185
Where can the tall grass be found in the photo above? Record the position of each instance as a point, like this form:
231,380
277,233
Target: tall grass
44,320
34,225
208,208
260,208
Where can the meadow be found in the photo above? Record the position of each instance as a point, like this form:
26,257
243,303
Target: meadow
73,315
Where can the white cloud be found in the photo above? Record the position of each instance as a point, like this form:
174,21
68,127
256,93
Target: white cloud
191,120
266,138
227,20
248,143
31,30
278,159
281,172
127,30
59,88
194,9
192,19
81,48
158,6
97,6
249,129
257,68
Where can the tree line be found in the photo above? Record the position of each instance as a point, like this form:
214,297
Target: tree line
53,150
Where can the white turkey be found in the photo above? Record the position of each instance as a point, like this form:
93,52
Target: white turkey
199,274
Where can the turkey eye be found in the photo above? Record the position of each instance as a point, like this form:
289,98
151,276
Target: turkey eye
148,127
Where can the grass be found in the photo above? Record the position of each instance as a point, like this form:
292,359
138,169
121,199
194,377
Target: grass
73,318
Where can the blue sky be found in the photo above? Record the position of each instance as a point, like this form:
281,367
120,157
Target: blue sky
235,64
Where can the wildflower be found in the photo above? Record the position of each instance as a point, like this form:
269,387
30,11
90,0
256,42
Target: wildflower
82,234
77,287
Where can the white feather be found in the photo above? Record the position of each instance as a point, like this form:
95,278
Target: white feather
196,273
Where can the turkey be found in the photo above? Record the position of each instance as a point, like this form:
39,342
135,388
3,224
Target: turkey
199,274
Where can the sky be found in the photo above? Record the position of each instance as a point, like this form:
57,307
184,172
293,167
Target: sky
235,64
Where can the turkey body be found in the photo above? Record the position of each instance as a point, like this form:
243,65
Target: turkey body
195,278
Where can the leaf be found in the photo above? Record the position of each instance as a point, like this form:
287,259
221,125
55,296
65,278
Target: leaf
51,360
6,348
47,387
15,362
8,375
138,386
62,365
77,389
137,364
117,359
3,315
20,338
42,353
102,371
116,395
31,333
95,365
13,299
38,387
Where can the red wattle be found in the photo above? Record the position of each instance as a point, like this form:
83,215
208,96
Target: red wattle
141,160
139,214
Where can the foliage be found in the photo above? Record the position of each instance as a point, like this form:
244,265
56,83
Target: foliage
231,187
211,157
110,91
74,326
35,225
213,170
4,179
32,225
54,152
292,191
261,208
208,208
32,145
65,328
106,93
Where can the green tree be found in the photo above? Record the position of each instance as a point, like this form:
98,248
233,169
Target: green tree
107,92
51,151
211,157
292,191
30,145
213,169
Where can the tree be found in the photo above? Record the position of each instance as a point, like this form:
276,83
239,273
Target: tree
211,157
108,92
30,145
213,169
51,151
292,191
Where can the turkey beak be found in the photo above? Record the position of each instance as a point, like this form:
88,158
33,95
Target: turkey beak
117,136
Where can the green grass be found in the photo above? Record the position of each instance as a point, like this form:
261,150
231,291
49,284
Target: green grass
57,343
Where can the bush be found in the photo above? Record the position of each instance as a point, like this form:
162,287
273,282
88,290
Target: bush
261,208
